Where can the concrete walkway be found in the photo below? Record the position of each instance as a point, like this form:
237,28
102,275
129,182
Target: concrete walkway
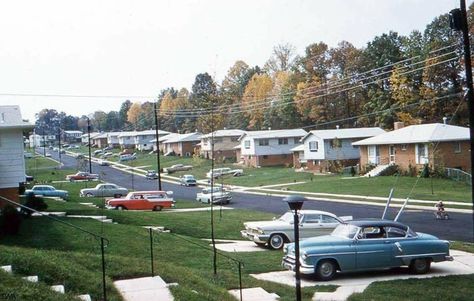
254,294
144,289
357,282
238,246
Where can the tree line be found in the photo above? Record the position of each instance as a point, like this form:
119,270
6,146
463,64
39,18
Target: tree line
416,78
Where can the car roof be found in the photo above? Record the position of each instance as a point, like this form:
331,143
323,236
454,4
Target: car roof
316,212
44,186
377,223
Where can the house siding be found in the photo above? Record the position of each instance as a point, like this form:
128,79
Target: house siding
268,160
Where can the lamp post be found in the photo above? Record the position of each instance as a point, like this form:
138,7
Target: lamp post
296,202
89,142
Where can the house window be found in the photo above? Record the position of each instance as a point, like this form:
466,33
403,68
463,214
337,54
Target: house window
421,153
247,144
263,142
296,141
313,146
457,147
403,147
265,157
282,141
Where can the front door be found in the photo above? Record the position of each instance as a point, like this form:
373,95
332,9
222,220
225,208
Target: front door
391,154
373,154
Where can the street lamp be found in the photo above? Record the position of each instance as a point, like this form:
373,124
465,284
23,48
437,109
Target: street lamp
296,202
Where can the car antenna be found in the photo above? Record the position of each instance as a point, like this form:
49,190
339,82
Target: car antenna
401,209
388,203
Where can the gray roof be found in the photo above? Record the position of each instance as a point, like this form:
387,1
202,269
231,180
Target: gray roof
421,133
298,148
274,134
10,117
73,132
183,138
346,133
225,133
101,136
142,133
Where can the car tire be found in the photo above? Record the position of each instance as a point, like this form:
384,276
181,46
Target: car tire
121,208
276,241
157,208
326,270
89,195
420,266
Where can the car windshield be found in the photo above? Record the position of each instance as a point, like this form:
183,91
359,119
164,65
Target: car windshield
287,217
345,231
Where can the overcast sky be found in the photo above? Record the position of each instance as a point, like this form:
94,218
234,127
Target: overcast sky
137,48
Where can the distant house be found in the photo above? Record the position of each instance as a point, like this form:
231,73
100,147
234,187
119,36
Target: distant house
85,137
225,142
435,144
161,140
182,144
36,140
328,150
268,148
100,140
143,139
127,139
72,136
113,139
12,160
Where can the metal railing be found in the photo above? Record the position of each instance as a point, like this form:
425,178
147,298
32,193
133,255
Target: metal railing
103,241
238,262
458,175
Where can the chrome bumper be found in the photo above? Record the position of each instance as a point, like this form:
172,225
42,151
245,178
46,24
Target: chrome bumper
449,258
258,238
288,263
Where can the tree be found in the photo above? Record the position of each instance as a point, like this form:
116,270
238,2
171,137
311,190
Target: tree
112,121
123,112
204,97
134,113
282,59
256,99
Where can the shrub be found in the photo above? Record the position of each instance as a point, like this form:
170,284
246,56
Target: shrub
425,172
10,220
33,202
353,171
391,170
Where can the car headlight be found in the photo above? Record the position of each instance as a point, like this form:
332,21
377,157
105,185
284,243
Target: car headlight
304,256
259,231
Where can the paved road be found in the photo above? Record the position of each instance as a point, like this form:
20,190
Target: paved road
459,227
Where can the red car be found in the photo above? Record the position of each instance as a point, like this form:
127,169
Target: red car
82,175
143,200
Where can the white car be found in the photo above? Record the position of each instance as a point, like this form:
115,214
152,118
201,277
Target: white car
219,196
218,172
279,231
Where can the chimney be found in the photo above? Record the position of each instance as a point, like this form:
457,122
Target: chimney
398,125
445,120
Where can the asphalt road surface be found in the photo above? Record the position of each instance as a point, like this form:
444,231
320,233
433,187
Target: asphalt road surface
458,227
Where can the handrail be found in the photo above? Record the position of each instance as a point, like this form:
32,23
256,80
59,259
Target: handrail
102,239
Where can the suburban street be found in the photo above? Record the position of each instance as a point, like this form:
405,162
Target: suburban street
459,227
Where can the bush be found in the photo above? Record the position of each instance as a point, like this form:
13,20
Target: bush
33,202
425,172
391,170
10,220
353,171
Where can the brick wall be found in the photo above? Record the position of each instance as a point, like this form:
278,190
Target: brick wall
9,193
269,160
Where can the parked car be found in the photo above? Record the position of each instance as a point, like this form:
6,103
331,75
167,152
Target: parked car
280,230
187,180
104,190
28,155
102,162
126,152
127,157
219,196
365,245
219,172
82,175
108,148
48,155
47,190
151,175
177,167
106,155
98,152
62,151
143,200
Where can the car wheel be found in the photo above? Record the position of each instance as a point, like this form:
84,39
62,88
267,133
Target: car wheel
89,195
420,266
276,241
326,270
121,208
157,208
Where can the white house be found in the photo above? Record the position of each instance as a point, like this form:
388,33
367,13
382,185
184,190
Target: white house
225,142
72,136
12,161
182,144
36,140
127,139
85,137
113,139
271,147
328,150
143,139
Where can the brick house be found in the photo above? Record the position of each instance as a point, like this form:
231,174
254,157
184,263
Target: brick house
435,144
182,144
269,148
329,150
146,140
12,160
225,142
100,140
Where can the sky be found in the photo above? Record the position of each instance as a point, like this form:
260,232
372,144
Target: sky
134,49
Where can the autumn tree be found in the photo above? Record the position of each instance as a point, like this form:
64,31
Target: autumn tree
256,99
134,114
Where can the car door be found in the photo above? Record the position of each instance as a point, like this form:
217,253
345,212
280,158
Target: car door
373,249
310,225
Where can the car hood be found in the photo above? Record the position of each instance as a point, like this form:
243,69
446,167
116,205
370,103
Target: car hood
268,225
320,241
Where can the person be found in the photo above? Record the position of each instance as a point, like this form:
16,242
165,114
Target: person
440,207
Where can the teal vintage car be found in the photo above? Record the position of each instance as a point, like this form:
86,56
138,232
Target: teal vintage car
47,190
361,245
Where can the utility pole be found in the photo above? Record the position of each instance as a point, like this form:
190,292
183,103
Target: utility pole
89,142
458,21
44,143
157,146
59,145
214,252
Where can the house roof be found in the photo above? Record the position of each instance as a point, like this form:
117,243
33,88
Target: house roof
183,138
224,133
73,132
298,148
165,137
421,133
10,118
274,134
142,133
93,134
345,133
101,136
